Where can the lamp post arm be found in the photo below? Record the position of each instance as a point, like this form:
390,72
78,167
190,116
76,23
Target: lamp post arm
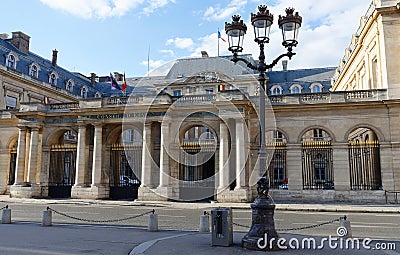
236,59
288,54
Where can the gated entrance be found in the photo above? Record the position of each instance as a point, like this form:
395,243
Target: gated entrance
365,165
126,162
62,170
197,167
317,160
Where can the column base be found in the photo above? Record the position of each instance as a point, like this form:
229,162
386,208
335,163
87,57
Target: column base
92,192
154,194
238,195
24,191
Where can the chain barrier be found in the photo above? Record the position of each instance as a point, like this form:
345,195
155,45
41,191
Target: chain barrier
100,221
5,207
299,228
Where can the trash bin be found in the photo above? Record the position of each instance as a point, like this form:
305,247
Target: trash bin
222,231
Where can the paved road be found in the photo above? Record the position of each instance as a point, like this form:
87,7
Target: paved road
371,225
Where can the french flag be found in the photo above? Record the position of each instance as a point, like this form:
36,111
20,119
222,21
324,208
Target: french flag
219,37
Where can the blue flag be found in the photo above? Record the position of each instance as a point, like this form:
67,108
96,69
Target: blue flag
114,83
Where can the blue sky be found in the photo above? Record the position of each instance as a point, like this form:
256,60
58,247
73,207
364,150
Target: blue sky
104,36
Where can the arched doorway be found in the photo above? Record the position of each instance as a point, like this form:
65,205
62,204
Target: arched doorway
364,160
126,165
276,151
317,160
197,164
13,162
63,165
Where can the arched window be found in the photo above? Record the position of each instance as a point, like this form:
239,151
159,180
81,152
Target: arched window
316,88
11,60
84,92
295,89
70,85
53,76
34,70
276,90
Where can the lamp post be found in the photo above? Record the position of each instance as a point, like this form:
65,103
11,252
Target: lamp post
263,208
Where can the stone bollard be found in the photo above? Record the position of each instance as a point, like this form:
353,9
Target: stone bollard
344,230
153,222
204,223
47,218
6,216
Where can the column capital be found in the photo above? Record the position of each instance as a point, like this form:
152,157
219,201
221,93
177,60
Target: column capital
22,128
98,125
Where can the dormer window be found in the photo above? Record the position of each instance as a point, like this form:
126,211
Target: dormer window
53,78
11,60
276,90
295,89
316,88
84,92
97,95
69,85
34,70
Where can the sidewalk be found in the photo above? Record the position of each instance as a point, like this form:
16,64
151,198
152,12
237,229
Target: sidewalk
285,206
72,239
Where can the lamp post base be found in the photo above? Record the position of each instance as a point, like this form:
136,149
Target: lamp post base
262,234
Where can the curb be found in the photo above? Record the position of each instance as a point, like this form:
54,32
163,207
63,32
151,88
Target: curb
204,206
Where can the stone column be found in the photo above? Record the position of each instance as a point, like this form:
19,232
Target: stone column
223,156
341,168
147,160
240,155
81,156
294,167
27,148
21,152
164,157
97,155
33,156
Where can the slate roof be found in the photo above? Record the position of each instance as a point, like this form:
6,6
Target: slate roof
26,59
302,77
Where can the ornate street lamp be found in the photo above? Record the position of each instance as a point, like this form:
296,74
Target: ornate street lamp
263,224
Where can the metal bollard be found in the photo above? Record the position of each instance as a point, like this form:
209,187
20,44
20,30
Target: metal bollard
204,223
6,216
344,230
47,218
153,222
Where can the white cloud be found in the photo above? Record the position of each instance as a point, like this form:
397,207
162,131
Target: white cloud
155,4
181,43
220,13
171,53
153,63
102,9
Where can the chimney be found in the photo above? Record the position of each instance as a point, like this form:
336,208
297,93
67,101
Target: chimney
204,54
54,59
4,36
20,41
284,65
93,79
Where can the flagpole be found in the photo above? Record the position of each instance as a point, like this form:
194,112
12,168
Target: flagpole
148,62
218,41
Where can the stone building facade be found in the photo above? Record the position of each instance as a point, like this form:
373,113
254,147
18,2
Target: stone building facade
194,133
